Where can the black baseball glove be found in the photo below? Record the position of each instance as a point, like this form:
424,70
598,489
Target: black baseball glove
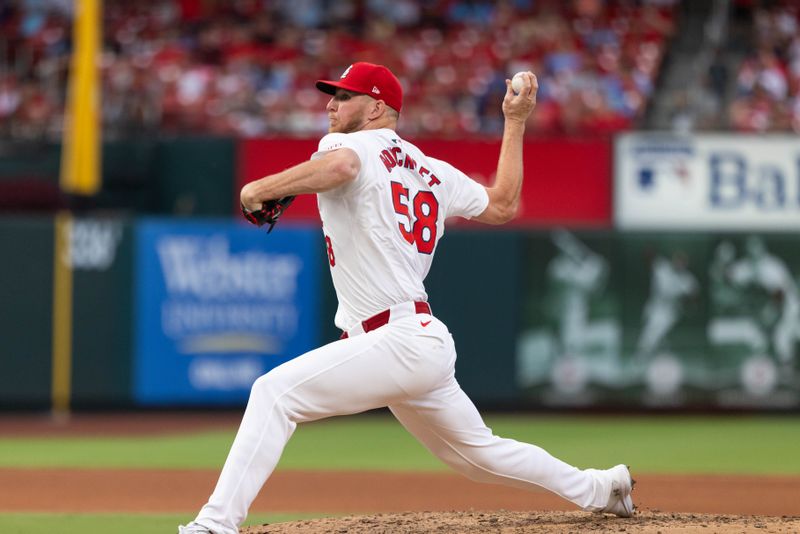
270,212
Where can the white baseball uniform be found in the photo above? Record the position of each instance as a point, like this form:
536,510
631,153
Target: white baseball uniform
381,231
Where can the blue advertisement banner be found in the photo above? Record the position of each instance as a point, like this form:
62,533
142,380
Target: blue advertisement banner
218,304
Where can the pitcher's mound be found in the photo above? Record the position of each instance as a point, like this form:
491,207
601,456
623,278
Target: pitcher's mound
647,522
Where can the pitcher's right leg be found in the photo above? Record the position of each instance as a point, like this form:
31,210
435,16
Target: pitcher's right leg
448,424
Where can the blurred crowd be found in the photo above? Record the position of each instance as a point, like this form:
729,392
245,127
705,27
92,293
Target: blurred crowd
768,81
247,67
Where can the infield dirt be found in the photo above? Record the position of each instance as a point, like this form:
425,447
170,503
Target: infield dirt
539,522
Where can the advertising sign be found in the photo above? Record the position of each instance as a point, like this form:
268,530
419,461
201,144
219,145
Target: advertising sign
707,182
217,305
567,181
661,320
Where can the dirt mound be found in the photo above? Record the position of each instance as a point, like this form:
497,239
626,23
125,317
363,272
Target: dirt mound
647,522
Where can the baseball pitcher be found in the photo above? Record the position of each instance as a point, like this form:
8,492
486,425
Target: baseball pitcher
383,205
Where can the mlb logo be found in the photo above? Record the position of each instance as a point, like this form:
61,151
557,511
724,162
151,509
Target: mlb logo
645,179
650,175
659,164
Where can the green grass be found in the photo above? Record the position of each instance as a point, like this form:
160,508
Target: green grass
27,523
658,444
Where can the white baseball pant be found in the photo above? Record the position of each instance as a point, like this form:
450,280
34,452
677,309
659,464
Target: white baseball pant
409,366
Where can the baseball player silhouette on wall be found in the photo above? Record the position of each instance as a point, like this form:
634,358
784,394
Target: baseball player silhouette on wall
383,204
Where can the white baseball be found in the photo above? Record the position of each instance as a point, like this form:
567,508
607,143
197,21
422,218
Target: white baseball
517,82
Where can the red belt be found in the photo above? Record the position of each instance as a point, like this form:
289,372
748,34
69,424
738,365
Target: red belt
380,319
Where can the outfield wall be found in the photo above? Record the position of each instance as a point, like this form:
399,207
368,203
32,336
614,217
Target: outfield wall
559,310
169,313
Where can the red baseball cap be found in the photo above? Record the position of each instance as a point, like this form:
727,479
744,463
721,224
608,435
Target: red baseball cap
369,79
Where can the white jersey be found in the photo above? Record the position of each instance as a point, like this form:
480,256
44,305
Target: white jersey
382,228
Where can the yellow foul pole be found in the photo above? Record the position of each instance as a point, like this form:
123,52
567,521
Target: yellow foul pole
62,316
80,164
79,175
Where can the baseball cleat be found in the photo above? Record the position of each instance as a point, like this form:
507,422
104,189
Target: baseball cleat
620,502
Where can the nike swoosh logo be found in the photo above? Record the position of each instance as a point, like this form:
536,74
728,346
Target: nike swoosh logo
424,324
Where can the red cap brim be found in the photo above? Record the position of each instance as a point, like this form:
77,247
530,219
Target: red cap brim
329,87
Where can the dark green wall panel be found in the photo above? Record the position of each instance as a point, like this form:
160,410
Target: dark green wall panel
102,312
182,176
473,286
26,271
195,176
